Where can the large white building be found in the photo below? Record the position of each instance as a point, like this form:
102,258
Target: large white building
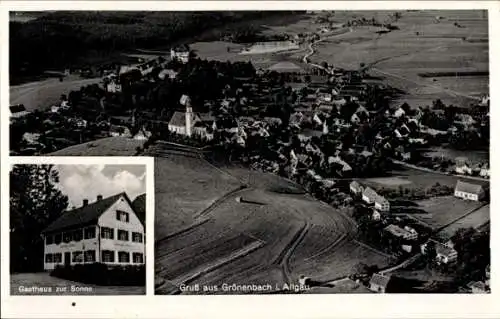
107,231
469,191
180,53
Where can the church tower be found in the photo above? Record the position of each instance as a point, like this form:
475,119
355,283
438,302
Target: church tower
189,119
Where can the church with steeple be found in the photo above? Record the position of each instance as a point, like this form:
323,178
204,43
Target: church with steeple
189,123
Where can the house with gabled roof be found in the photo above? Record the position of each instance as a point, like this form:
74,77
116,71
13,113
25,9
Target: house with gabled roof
469,191
356,188
369,195
379,283
108,231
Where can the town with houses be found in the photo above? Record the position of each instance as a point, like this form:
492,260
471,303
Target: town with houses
331,130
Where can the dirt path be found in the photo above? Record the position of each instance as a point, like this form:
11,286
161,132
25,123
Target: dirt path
285,262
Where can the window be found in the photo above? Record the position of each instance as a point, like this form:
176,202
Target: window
90,232
138,258
49,240
58,258
57,239
122,235
137,237
123,257
67,237
77,235
108,233
108,256
122,216
49,258
77,256
90,256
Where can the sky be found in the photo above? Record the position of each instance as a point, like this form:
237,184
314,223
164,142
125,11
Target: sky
81,182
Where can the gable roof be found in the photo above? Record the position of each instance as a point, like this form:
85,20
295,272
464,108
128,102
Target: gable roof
380,280
468,187
85,215
178,119
444,250
370,193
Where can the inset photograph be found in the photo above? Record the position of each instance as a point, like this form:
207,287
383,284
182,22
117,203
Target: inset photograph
77,229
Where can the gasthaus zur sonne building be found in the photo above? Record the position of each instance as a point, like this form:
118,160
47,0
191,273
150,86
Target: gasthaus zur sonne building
108,231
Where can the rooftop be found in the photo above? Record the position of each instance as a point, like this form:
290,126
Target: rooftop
84,215
380,280
468,187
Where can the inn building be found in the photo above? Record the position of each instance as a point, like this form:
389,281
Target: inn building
108,231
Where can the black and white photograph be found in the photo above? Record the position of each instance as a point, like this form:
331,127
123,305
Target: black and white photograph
295,152
77,229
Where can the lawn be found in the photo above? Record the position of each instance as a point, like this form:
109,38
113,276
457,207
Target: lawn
42,279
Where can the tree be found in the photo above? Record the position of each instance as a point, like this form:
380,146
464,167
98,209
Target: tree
361,268
430,251
35,202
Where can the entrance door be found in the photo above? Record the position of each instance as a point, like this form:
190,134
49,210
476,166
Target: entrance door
67,259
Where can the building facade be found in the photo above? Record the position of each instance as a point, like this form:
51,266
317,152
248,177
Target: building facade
107,231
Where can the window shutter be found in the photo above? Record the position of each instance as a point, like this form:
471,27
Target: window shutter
117,215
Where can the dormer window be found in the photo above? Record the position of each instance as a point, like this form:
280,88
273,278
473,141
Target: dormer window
122,216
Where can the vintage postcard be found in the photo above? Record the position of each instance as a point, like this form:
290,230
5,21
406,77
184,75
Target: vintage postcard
323,150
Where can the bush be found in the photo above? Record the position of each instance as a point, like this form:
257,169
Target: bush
102,274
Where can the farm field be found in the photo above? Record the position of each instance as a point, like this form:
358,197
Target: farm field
339,261
444,210
420,45
43,279
218,50
269,232
475,220
42,94
474,156
109,146
342,287
414,179
184,186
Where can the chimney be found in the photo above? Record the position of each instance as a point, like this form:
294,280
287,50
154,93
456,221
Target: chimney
99,197
85,202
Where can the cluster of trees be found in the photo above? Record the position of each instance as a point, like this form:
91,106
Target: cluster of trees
249,34
372,231
474,255
62,39
416,193
35,202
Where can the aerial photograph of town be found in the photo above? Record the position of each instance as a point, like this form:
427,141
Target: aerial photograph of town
296,152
